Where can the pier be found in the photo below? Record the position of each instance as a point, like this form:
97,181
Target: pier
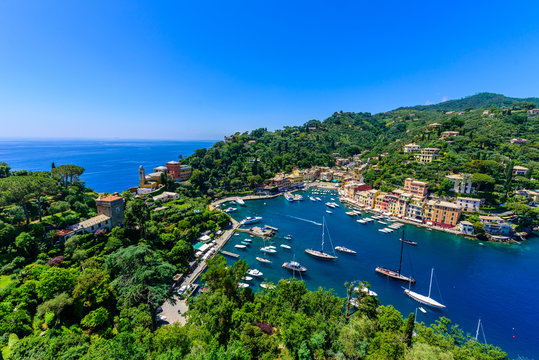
231,254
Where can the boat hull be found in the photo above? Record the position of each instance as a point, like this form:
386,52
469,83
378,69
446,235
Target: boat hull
320,255
293,268
425,300
394,275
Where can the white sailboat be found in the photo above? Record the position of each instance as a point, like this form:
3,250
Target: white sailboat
427,300
320,254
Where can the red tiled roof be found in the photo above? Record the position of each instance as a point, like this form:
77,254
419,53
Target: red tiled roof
64,232
110,198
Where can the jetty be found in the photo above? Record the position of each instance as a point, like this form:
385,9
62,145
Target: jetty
258,231
231,254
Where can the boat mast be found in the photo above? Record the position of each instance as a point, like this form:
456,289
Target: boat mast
430,285
402,248
478,326
323,226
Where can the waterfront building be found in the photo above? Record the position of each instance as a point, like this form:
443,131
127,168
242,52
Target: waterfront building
369,197
495,225
310,174
520,170
401,204
326,175
447,134
112,206
466,227
414,209
415,187
442,213
427,155
380,201
350,188
468,204
518,141
178,171
295,180
461,183
281,181
160,169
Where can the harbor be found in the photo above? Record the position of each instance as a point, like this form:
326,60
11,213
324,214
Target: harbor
467,273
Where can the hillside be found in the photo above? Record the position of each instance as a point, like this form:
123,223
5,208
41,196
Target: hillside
478,101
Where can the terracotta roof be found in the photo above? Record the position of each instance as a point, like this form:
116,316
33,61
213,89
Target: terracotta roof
110,198
63,232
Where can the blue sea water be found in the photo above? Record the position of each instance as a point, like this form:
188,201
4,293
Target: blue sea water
110,165
494,282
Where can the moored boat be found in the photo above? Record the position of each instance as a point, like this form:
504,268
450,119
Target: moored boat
240,201
288,197
294,266
396,274
345,250
427,300
251,220
286,246
320,254
240,246
255,272
263,260
243,285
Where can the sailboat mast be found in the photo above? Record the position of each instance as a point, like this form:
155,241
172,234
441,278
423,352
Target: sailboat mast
430,285
323,226
477,332
402,248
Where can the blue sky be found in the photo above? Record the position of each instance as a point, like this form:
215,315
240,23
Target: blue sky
202,70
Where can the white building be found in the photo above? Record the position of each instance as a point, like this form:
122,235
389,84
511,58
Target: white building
468,204
166,196
411,148
520,170
460,184
466,227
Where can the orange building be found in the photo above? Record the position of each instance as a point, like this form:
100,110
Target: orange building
442,213
414,187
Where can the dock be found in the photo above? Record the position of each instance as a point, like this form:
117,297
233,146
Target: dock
271,228
231,254
257,231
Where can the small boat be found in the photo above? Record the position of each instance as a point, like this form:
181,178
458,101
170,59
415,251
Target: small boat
298,198
361,221
408,242
243,285
264,260
294,266
320,254
240,201
251,220
267,286
331,205
329,211
336,205
351,213
345,250
247,240
286,246
229,210
245,243
288,197
366,290
236,234
255,272
332,199
311,198
382,222
288,237
422,310
427,300
271,247
318,199
247,278
268,250
240,246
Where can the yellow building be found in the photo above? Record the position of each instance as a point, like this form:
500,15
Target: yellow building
427,155
150,181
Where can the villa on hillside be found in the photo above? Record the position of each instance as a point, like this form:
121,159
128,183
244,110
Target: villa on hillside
468,204
447,134
461,183
427,155
518,141
520,170
415,187
411,148
495,225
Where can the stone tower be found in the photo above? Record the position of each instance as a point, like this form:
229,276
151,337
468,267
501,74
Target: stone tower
112,206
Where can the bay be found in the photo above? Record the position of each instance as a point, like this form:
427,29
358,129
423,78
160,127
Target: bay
494,282
110,165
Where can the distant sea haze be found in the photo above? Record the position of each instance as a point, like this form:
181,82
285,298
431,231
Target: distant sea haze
110,165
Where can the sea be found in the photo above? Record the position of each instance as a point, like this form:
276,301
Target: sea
110,165
496,283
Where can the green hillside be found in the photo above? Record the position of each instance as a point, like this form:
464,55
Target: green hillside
483,100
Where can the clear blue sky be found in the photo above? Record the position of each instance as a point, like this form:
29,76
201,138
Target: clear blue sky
201,69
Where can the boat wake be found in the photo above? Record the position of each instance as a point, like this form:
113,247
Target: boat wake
306,220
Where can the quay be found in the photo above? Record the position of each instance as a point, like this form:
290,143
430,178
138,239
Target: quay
258,231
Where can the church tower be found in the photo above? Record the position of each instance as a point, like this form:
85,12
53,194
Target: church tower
141,175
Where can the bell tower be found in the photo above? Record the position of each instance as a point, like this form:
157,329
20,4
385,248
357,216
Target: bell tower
141,175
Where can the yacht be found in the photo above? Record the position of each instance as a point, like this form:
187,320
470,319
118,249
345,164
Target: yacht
229,210
288,237
329,211
318,199
286,246
243,285
267,286
427,300
294,266
288,197
396,274
255,272
331,205
247,278
298,198
345,250
240,246
311,198
251,220
268,250
240,201
365,290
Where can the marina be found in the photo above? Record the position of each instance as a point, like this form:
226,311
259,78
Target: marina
462,265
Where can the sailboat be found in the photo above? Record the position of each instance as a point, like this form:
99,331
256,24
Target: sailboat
320,253
396,274
427,300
